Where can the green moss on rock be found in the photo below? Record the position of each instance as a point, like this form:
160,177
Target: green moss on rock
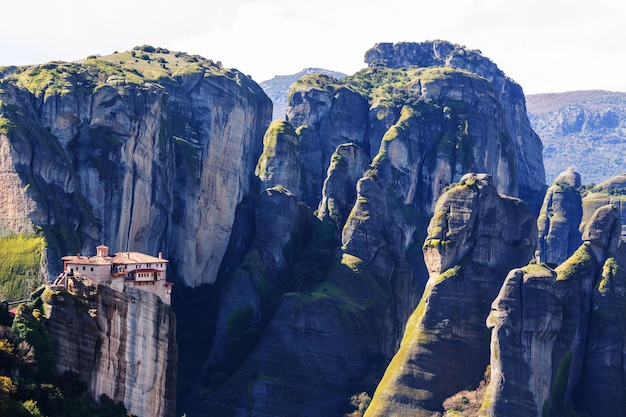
579,260
20,264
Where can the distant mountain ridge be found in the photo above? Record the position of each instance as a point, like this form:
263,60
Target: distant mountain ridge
278,87
582,129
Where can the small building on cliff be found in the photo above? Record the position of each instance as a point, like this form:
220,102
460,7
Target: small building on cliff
135,269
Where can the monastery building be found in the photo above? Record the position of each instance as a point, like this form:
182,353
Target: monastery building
124,269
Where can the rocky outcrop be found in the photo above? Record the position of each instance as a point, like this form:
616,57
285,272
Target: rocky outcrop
122,344
423,129
611,191
347,165
279,165
467,252
149,154
528,148
525,319
559,218
557,335
325,115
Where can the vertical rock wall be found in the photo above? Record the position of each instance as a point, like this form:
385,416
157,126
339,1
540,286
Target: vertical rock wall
122,344
117,156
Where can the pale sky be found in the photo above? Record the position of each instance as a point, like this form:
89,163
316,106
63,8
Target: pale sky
544,45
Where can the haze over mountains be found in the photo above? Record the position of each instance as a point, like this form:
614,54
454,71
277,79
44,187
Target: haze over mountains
389,246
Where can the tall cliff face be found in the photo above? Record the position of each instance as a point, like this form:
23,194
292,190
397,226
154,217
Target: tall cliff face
467,251
325,115
121,344
145,150
525,319
557,335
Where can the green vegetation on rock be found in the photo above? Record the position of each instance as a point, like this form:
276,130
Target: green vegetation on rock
140,66
580,260
610,270
20,265
402,86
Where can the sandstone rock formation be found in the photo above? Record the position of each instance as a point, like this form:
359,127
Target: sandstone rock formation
146,150
557,335
122,344
528,148
422,129
156,151
474,238
525,319
559,218
347,165
279,165
325,115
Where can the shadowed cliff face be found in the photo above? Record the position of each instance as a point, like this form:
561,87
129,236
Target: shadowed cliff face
149,154
559,218
528,154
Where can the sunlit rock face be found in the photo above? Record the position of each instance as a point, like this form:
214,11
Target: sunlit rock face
556,333
611,191
372,153
120,343
148,156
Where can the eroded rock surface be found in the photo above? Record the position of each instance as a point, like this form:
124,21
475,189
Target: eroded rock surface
528,153
475,237
559,218
525,319
611,191
557,335
122,344
151,156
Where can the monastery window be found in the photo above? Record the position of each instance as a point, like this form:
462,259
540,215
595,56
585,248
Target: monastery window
92,269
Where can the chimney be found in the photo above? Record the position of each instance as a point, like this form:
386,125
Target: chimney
102,251
160,255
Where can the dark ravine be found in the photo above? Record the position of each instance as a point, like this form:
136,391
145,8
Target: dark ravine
385,239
